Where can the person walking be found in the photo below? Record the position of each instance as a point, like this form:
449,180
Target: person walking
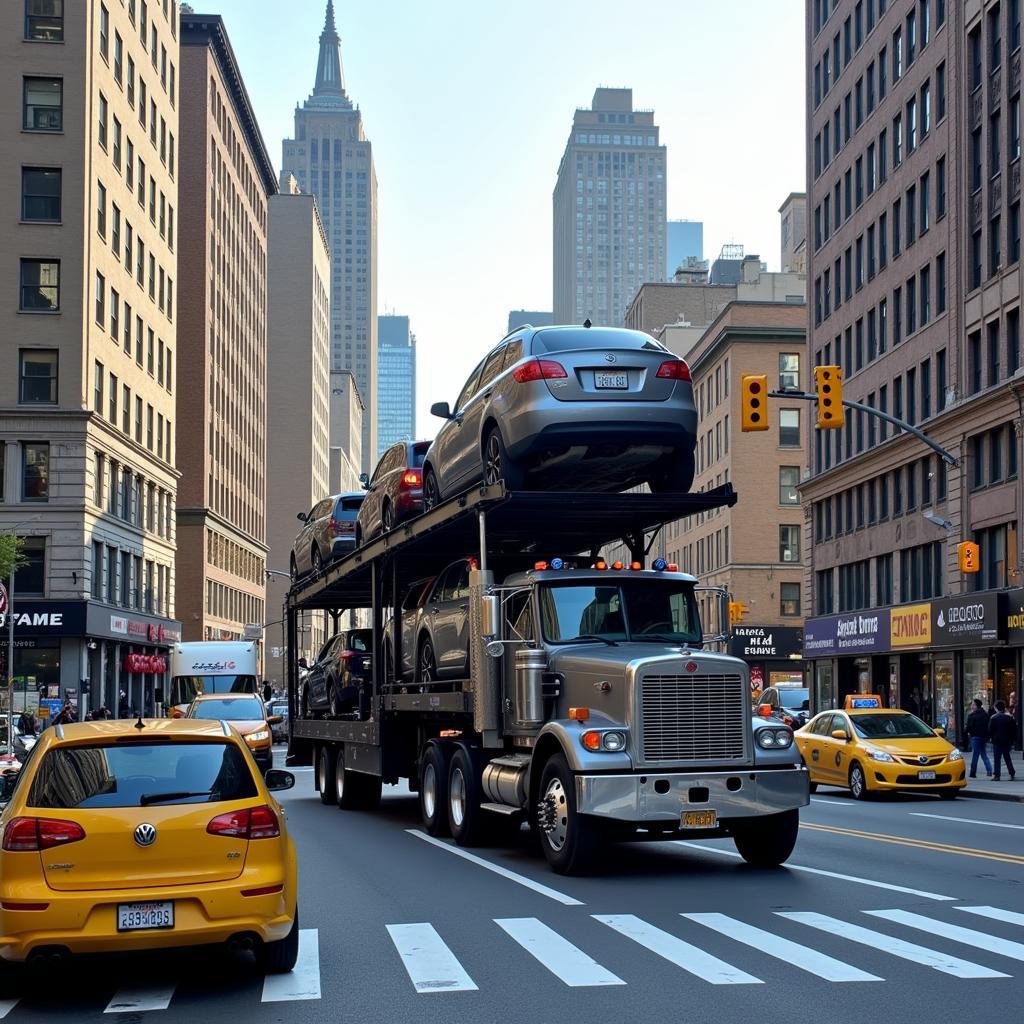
1013,709
1002,729
977,731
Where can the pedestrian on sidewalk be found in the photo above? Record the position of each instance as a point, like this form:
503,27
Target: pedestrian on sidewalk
1002,729
977,730
1013,709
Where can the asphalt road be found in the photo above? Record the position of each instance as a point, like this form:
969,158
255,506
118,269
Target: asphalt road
911,909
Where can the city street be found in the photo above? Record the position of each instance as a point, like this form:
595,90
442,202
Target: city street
398,928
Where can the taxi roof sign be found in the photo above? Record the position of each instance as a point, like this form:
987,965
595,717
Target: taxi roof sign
862,700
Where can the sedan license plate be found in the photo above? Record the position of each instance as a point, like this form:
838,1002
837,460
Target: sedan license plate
135,916
699,819
926,776
611,381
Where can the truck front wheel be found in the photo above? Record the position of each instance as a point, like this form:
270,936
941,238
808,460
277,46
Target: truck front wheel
434,790
767,842
568,838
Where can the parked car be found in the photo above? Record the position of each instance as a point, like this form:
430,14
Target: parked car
789,703
334,680
247,714
394,492
412,612
278,709
598,408
442,629
328,532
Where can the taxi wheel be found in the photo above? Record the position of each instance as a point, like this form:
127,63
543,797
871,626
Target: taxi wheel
325,759
812,787
858,782
279,957
948,794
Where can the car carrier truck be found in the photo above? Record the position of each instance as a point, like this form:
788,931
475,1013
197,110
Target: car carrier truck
591,709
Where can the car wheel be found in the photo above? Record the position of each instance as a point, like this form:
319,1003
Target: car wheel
673,474
325,760
426,667
858,782
431,489
334,698
497,464
434,789
948,794
568,838
387,518
318,561
768,840
304,703
279,957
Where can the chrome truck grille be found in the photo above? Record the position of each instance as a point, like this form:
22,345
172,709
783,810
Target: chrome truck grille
693,717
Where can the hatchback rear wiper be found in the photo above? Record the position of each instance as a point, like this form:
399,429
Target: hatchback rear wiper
155,798
591,636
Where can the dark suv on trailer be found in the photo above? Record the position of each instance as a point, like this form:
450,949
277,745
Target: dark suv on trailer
394,492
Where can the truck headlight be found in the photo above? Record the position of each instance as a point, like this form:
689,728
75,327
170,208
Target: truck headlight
258,737
774,739
595,740
614,741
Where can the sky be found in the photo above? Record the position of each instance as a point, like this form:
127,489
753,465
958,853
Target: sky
469,103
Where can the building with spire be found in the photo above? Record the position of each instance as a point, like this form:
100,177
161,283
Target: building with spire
331,157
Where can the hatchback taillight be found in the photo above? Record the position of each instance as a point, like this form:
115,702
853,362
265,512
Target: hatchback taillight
41,833
339,526
538,369
251,823
412,478
674,369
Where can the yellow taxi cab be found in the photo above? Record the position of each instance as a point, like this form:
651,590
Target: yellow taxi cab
244,712
121,835
869,749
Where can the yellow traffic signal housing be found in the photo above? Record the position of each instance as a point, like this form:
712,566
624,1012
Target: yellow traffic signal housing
968,556
828,383
754,396
737,609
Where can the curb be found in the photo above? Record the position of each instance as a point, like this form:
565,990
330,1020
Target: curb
1014,797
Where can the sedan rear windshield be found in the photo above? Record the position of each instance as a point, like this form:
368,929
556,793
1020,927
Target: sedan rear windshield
236,710
140,774
794,697
567,339
896,726
418,453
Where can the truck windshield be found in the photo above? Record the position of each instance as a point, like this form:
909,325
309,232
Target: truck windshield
185,688
637,610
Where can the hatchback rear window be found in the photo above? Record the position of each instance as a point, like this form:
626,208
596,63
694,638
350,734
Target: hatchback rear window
349,505
134,774
418,453
566,340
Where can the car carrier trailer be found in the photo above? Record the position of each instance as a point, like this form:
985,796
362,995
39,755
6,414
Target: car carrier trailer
628,730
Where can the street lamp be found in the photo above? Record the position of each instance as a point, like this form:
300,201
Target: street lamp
937,520
288,576
10,640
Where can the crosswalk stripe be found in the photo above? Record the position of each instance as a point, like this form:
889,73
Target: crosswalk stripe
6,1005
564,960
676,951
782,949
303,982
137,1000
897,947
996,913
970,936
431,965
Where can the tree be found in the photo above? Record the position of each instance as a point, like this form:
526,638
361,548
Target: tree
12,555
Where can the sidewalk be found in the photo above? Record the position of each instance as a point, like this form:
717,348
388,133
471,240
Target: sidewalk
985,789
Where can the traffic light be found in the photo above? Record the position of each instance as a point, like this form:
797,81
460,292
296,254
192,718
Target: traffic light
737,609
968,556
754,387
828,383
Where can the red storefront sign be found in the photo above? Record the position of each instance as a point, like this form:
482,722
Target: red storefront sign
151,663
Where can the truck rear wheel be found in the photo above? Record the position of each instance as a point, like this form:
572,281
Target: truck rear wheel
325,759
465,817
568,838
767,842
434,789
354,791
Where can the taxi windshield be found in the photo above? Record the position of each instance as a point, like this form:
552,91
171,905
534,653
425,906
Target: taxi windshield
899,725
235,709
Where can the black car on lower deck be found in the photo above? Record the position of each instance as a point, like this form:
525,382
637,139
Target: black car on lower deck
336,680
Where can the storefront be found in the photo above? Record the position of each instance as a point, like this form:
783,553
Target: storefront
931,658
1010,665
773,654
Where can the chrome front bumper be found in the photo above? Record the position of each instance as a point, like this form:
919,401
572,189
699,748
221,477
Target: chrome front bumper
746,794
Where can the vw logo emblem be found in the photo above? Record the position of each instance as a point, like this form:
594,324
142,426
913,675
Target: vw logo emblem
922,758
145,834
609,358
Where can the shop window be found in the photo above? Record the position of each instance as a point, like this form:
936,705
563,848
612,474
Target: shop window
789,598
35,478
30,579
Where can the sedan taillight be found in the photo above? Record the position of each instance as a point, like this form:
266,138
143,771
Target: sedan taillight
674,369
538,369
251,823
41,833
412,478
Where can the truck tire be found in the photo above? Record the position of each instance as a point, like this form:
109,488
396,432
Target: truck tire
354,791
434,769
325,767
569,839
767,841
465,817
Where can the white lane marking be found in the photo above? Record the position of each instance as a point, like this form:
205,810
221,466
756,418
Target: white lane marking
970,936
431,965
830,874
834,803
806,959
676,951
964,821
6,1005
512,876
138,1000
897,947
564,960
303,982
996,913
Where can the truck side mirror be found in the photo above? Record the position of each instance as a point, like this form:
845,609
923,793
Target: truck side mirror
490,608
442,410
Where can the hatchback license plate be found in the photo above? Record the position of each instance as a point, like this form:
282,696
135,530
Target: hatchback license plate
613,381
135,916
926,776
700,819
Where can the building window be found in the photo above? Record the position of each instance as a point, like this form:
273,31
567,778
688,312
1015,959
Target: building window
40,193
921,572
35,471
789,428
101,124
43,104
824,603
101,299
104,32
40,285
883,580
44,20
789,480
992,573
101,210
789,598
789,370
789,543
38,379
97,388
30,579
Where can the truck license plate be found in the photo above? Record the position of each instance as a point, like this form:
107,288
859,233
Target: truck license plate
926,776
614,381
134,916
700,819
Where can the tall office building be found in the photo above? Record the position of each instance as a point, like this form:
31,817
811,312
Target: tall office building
609,210
222,333
396,382
533,317
793,233
684,240
913,148
89,194
332,158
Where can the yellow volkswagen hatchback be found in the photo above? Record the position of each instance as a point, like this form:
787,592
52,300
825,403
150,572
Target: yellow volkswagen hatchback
123,835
